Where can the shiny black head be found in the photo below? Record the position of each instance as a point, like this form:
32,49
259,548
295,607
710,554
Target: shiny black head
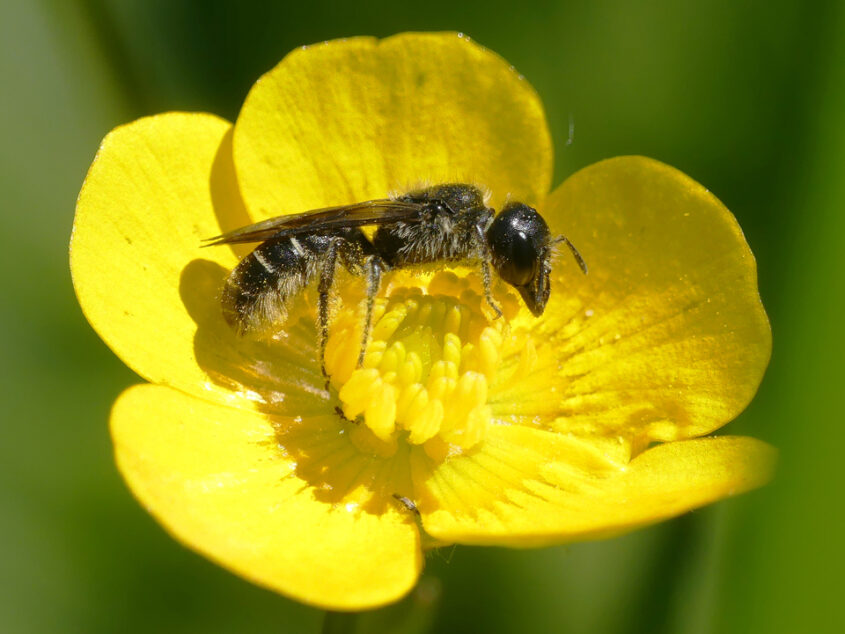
520,246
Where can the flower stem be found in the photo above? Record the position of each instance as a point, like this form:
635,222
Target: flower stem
339,622
412,615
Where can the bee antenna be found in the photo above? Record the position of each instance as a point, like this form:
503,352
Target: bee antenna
580,260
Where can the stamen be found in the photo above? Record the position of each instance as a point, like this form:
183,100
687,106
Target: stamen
425,377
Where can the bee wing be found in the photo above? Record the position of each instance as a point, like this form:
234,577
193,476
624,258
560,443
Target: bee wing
370,212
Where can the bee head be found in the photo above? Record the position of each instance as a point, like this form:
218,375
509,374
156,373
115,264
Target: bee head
519,242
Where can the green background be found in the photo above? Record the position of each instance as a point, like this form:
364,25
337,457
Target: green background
748,98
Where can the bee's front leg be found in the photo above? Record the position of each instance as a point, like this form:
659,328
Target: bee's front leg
486,258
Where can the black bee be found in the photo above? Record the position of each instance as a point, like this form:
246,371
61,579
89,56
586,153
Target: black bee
436,225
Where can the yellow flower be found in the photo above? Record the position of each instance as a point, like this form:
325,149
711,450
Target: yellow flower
522,431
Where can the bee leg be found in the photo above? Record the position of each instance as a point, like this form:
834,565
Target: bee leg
374,268
484,249
326,281
485,275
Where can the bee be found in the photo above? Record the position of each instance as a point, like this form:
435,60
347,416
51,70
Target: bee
437,225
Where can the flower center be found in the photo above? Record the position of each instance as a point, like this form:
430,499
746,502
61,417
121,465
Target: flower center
433,351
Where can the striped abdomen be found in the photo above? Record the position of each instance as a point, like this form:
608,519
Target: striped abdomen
257,292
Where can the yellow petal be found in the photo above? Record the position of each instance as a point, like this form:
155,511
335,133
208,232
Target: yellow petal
156,189
354,119
666,337
216,478
146,204
525,487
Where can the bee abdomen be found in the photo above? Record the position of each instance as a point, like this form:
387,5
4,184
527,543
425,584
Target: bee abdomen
257,291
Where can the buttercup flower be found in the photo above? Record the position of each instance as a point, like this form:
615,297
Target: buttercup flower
520,431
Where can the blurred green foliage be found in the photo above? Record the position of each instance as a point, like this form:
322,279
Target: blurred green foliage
748,98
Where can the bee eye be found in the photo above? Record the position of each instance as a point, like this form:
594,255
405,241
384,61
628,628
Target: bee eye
516,238
518,259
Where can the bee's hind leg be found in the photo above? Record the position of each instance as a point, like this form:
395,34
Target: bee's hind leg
326,281
375,266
